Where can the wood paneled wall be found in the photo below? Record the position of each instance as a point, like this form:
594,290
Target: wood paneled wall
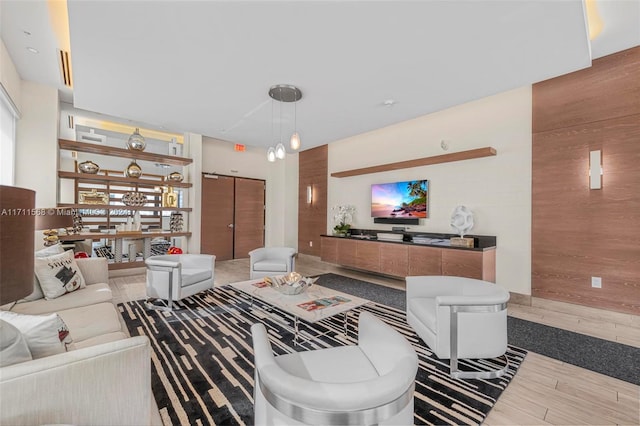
312,218
578,233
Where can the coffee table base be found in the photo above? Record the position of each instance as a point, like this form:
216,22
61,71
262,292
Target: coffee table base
297,339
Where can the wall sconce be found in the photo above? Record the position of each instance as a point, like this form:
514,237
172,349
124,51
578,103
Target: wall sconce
309,194
595,169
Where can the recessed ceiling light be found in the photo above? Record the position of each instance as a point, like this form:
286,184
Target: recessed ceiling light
389,103
32,50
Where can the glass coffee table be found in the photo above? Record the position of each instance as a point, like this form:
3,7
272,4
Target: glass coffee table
314,305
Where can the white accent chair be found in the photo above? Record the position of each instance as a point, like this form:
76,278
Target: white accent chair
371,383
176,276
459,318
268,261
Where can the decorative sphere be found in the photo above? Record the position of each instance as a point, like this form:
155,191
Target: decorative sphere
133,170
136,141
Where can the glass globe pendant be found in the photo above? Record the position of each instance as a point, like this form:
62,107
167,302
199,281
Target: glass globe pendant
280,151
295,141
271,154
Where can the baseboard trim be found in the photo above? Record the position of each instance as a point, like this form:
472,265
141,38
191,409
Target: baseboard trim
520,299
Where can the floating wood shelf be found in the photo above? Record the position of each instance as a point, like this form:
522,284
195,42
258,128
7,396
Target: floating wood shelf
426,161
123,207
122,152
121,179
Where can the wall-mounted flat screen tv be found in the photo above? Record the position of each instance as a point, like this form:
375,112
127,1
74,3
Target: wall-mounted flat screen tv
408,199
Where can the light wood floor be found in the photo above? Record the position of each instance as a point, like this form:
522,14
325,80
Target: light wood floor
545,391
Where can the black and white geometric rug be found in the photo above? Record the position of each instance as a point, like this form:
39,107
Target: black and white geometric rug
202,360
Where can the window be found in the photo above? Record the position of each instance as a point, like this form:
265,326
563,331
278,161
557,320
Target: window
8,118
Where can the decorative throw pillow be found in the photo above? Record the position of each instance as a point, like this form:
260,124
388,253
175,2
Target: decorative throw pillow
45,334
17,351
37,290
58,274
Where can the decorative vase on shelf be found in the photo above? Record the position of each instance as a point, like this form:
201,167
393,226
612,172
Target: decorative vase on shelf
136,141
133,170
176,222
175,177
88,167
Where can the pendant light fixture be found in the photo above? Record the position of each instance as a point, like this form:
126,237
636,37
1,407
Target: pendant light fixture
295,138
284,93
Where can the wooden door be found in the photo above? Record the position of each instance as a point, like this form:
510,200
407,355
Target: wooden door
249,216
216,230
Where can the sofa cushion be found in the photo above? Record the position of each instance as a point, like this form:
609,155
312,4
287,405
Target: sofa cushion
45,334
104,338
424,308
91,321
194,275
13,346
92,294
58,274
270,266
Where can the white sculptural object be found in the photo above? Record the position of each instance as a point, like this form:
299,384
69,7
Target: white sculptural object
462,220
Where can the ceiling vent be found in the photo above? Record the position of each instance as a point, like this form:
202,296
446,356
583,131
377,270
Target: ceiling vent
64,59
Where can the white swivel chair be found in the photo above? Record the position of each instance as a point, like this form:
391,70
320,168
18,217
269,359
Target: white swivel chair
176,276
371,383
459,318
268,261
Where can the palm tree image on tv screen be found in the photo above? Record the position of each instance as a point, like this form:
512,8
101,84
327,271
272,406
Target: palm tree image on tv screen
400,199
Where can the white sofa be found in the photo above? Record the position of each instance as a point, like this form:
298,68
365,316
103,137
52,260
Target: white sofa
104,380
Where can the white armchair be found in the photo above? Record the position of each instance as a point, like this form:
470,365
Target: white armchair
176,276
459,318
267,261
372,383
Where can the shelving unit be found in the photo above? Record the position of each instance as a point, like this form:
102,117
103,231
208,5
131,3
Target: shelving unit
121,179
114,185
124,153
425,161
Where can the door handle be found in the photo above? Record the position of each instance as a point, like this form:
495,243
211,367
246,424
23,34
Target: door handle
230,225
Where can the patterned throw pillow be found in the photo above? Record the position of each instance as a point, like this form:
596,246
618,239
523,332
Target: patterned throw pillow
37,290
45,334
59,274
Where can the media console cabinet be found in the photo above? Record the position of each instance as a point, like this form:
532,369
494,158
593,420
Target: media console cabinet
405,258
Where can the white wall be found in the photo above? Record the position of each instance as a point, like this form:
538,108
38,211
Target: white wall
37,142
193,147
497,189
9,77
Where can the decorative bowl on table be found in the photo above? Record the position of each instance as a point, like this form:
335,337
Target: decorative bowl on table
290,284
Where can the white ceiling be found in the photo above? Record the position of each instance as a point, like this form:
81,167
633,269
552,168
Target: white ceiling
206,66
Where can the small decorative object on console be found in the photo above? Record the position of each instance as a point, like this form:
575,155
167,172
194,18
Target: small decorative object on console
174,250
290,284
343,218
462,221
88,167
